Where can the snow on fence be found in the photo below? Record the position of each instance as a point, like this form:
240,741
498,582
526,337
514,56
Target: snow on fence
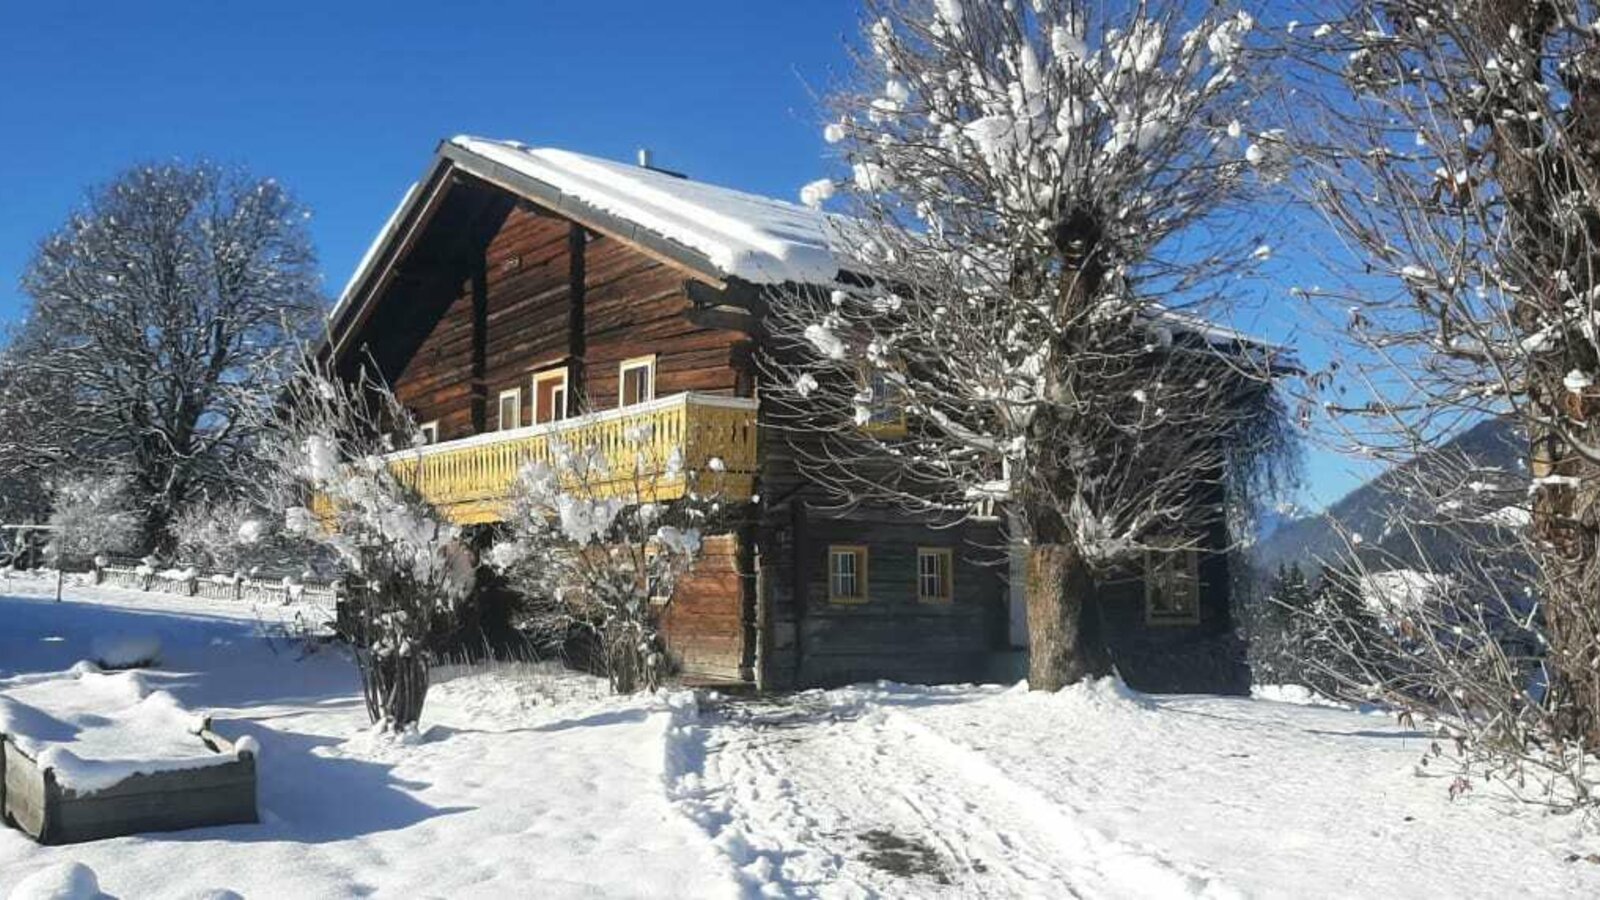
192,583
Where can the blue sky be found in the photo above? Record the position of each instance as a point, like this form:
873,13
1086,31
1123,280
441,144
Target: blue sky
344,102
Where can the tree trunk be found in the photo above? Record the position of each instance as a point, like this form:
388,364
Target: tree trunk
395,687
1065,644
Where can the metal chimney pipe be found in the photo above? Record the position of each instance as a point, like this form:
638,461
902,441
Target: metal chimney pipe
644,157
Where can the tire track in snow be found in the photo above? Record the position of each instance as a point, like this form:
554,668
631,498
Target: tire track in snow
809,798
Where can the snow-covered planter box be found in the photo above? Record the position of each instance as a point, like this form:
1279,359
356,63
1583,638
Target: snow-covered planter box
86,755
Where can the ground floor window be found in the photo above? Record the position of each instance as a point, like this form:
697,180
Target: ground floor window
847,573
1172,587
430,432
935,574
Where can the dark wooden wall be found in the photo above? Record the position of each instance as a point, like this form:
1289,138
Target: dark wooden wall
809,641
531,289
1205,657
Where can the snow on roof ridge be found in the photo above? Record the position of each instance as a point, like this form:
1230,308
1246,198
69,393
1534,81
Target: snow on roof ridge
749,236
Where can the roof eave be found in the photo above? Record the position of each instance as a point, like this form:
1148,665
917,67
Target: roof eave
582,212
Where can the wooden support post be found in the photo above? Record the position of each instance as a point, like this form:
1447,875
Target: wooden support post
800,569
480,341
577,342
745,562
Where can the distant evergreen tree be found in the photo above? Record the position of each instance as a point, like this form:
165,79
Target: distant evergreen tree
1277,629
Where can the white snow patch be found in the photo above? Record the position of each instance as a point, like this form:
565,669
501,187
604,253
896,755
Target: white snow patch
61,881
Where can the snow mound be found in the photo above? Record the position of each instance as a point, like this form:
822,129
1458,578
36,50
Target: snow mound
1296,694
1109,694
126,651
63,881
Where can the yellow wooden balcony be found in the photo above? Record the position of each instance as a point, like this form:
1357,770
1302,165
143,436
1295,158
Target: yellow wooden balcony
470,479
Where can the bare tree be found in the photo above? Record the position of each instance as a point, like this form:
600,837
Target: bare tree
1045,196
161,312
1459,159
336,452
597,557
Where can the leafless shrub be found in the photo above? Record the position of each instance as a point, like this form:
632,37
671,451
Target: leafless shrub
331,446
598,556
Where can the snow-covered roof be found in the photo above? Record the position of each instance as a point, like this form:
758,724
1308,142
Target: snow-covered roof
739,235
746,236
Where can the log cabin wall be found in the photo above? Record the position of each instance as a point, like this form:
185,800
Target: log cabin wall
629,305
526,275
810,641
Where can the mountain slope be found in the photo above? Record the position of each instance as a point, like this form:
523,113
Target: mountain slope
1368,510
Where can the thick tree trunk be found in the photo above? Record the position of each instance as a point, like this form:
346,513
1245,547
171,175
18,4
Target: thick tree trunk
1065,644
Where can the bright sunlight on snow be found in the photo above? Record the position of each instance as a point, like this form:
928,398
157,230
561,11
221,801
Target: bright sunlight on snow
525,774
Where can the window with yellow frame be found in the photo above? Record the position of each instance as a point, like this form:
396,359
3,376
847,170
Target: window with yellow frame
885,409
847,573
1172,586
935,574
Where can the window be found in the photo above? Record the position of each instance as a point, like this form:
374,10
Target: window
430,432
885,413
550,396
510,409
847,573
934,574
1172,587
637,381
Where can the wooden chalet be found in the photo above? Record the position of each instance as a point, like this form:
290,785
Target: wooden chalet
520,294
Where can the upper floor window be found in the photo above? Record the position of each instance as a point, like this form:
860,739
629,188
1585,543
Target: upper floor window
550,396
510,409
882,412
935,571
1172,587
637,381
847,573
429,431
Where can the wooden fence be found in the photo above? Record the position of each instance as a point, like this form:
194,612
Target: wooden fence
137,577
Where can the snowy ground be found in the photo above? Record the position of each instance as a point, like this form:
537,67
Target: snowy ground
530,783
523,778
1100,792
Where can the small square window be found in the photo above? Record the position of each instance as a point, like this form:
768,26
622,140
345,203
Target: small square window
847,573
1172,587
636,381
935,574
510,409
429,431
885,408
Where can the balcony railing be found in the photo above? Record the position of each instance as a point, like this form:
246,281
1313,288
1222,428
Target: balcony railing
470,479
